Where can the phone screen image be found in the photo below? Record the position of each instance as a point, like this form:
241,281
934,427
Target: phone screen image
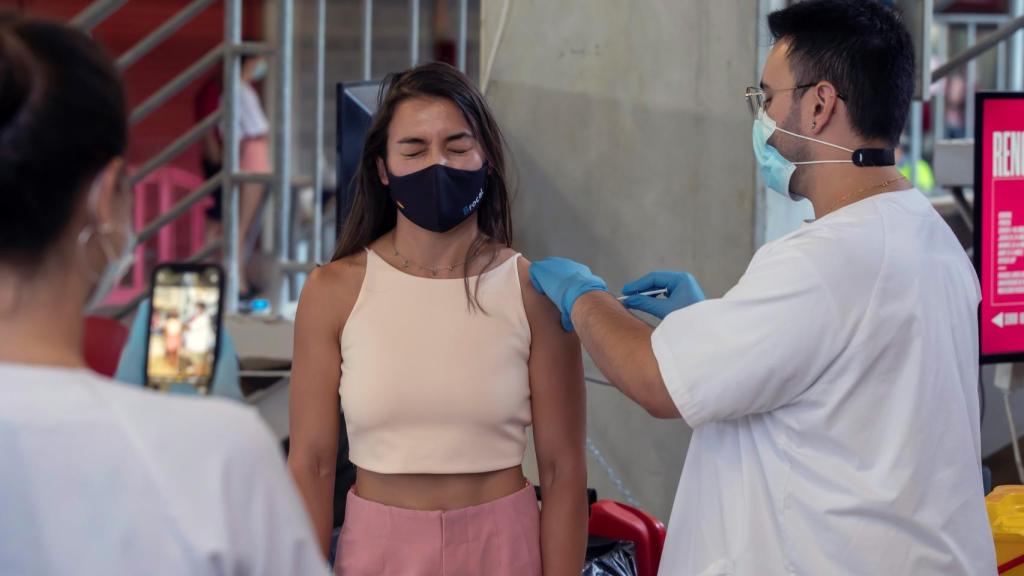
184,327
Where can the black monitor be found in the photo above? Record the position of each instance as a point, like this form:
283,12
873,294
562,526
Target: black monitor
356,103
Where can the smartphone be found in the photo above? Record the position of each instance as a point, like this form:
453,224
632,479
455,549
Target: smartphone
185,322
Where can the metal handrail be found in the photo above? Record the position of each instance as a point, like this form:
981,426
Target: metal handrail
414,19
163,32
230,157
1008,28
283,146
961,19
179,208
227,53
178,146
253,177
367,39
176,85
318,130
199,256
252,49
97,12
980,47
414,32
460,56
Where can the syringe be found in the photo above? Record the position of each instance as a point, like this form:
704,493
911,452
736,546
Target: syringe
652,293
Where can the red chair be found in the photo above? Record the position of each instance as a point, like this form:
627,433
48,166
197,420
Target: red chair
617,521
104,340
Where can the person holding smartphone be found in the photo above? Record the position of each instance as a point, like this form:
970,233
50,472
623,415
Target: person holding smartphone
99,477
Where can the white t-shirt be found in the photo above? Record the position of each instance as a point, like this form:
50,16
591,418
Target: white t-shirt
200,334
833,394
252,122
103,478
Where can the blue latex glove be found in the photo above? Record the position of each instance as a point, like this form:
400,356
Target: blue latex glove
683,290
131,368
563,281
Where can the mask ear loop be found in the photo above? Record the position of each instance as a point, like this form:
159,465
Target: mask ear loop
101,233
764,117
822,162
815,140
836,146
90,232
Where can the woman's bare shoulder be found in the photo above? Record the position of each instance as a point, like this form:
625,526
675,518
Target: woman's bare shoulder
335,286
539,310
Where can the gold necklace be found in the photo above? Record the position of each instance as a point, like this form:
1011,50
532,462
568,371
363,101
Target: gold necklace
432,269
880,186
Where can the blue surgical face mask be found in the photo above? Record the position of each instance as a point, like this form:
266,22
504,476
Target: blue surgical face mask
117,261
259,71
776,171
117,264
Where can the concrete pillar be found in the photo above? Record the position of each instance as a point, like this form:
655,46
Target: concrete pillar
628,125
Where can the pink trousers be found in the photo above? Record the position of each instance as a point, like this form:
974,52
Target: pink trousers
499,538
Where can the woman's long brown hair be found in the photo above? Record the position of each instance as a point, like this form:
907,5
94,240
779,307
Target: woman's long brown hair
374,214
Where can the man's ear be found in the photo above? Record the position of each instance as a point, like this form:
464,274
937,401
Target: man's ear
825,97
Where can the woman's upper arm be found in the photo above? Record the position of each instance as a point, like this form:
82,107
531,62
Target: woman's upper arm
313,403
556,381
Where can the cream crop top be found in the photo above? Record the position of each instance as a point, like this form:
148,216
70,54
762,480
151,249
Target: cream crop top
429,386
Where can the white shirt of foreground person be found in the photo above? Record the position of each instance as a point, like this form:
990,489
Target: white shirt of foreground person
834,399
99,478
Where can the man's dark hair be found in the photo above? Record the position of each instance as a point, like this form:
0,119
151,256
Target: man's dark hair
863,49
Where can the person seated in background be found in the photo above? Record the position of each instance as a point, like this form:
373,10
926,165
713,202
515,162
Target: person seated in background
98,477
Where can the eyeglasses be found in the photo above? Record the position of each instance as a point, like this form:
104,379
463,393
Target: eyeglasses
756,97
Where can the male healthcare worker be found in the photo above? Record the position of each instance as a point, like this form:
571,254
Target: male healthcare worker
833,391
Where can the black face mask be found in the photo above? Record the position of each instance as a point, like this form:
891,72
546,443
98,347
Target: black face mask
438,198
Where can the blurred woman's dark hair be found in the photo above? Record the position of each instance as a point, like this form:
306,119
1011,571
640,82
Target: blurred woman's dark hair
62,119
